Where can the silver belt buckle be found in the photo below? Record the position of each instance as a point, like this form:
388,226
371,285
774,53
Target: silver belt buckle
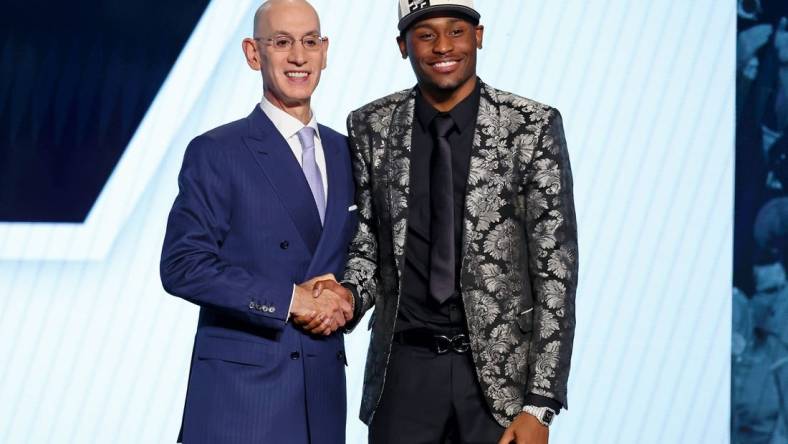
458,344
442,344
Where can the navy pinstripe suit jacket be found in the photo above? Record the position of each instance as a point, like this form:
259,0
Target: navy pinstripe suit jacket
243,229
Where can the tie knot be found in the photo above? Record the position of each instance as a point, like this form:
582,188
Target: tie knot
442,125
306,136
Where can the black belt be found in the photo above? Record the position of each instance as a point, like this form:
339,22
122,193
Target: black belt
439,343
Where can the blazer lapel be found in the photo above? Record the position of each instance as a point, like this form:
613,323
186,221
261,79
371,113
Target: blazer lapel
479,160
335,210
398,144
285,175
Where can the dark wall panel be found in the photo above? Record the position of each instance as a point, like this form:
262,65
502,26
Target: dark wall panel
77,79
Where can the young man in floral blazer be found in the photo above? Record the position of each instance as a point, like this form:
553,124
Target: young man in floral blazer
466,248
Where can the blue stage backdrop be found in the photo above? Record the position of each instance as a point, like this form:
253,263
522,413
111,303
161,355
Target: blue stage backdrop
98,101
759,401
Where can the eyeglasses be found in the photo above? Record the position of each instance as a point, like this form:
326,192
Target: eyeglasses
284,43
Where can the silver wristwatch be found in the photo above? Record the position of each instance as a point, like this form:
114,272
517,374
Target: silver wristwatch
545,415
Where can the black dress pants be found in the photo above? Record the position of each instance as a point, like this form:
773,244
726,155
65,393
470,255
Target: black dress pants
432,399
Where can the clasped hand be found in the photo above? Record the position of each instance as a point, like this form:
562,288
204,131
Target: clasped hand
321,306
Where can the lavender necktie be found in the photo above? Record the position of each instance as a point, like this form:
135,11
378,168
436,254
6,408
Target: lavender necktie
306,136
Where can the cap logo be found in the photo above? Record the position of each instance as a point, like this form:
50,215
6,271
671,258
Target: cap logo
411,11
415,5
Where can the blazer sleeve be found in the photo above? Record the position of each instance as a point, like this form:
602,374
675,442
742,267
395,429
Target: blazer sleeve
551,231
191,265
362,272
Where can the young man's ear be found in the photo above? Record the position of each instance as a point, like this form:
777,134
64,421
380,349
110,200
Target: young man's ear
403,47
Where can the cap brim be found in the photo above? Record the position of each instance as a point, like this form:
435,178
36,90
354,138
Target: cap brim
437,11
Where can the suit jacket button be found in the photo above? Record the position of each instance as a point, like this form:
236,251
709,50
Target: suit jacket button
284,245
341,355
295,355
271,309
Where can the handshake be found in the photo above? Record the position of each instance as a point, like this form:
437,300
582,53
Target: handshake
321,305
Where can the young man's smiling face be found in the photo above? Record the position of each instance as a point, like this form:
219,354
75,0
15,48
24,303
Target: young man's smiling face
442,52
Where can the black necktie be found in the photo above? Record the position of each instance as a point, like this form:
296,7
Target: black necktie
441,212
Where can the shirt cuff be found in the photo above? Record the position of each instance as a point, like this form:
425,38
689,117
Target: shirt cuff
290,308
542,401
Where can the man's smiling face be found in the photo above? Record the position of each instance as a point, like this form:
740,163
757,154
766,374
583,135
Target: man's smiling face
290,77
442,52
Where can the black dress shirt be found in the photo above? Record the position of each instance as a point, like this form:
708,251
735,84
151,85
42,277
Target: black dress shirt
418,309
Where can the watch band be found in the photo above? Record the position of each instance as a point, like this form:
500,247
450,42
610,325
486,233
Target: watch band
545,415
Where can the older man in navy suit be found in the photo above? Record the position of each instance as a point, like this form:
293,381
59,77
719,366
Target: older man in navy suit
265,208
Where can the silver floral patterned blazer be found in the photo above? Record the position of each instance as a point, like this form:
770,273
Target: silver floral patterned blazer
519,269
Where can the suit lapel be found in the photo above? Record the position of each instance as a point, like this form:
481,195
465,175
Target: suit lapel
488,116
336,171
399,142
285,175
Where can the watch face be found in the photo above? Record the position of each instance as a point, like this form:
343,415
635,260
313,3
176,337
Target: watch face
548,416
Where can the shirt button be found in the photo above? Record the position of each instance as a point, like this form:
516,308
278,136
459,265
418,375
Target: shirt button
295,355
284,245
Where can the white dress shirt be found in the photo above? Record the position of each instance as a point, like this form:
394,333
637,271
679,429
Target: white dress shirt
288,126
